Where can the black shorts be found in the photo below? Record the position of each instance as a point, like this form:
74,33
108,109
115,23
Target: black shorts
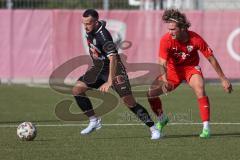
96,77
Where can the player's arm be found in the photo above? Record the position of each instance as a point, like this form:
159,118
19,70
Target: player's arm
225,82
111,51
163,69
163,76
112,67
163,60
163,57
112,72
208,53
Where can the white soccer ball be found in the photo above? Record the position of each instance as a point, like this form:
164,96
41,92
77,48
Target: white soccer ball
26,131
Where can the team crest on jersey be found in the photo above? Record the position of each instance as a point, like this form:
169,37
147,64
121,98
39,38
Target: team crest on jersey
189,48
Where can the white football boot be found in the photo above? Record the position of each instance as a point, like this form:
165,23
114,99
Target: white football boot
94,124
155,133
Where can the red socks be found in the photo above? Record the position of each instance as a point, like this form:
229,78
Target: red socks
204,107
156,105
203,103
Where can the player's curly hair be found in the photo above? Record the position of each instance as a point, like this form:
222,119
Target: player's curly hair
176,16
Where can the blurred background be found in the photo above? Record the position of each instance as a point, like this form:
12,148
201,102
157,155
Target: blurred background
122,4
37,36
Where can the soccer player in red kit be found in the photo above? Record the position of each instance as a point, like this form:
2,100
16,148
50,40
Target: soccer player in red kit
179,59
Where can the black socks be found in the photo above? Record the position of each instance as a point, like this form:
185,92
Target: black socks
85,104
142,114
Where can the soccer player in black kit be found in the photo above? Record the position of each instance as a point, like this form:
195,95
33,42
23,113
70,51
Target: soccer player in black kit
107,71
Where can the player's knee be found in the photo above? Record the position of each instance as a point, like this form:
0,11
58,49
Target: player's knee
199,91
150,94
129,101
154,91
76,90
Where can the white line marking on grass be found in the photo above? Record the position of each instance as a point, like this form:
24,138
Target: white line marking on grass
127,124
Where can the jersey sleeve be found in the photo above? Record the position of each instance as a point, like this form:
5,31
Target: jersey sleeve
163,49
204,47
108,46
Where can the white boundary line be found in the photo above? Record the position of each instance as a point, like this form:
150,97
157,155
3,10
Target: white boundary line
128,124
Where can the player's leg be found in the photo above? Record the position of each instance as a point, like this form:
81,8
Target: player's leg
197,84
122,86
137,109
82,100
89,80
158,88
142,114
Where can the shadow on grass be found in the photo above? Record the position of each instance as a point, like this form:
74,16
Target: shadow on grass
43,140
213,135
33,121
121,137
233,134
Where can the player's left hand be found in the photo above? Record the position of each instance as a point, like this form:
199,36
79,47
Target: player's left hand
105,87
227,86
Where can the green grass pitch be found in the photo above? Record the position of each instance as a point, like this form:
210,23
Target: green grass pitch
58,140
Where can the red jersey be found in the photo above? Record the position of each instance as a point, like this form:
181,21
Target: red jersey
183,54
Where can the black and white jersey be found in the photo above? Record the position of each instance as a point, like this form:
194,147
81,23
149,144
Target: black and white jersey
100,40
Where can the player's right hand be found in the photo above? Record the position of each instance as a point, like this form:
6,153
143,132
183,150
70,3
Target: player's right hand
105,87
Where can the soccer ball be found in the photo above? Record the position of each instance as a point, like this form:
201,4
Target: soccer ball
26,131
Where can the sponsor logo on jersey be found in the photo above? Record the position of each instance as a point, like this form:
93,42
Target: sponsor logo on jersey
183,55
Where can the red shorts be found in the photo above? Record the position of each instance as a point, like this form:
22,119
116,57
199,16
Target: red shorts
176,75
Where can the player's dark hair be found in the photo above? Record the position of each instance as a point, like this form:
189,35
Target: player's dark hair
91,12
174,15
